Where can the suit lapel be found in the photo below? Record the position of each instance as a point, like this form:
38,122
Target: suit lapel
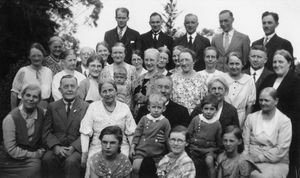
232,42
61,112
220,41
73,112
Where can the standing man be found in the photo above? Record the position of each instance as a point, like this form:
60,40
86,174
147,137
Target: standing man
193,40
61,132
122,33
155,38
271,41
230,40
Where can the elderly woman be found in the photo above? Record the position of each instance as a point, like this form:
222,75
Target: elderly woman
177,164
175,57
88,88
53,60
110,162
22,135
101,114
137,62
242,91
287,84
226,113
84,54
267,137
102,50
188,87
35,73
164,54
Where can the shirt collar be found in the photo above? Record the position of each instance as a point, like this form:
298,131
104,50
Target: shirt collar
269,36
123,29
154,119
33,115
66,102
155,32
193,36
257,72
230,33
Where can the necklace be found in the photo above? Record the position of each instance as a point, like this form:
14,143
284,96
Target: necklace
110,108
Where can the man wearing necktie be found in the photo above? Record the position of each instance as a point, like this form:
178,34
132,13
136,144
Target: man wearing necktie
193,40
61,132
122,33
271,41
156,38
230,40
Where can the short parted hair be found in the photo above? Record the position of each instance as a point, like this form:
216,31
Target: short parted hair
156,14
235,54
285,54
112,82
260,48
119,44
69,77
238,133
31,87
120,70
191,52
39,47
66,53
178,47
137,52
122,9
190,15
226,11
95,57
271,91
152,51
113,130
54,39
211,48
157,98
88,49
158,77
273,14
218,79
210,99
102,43
164,49
181,129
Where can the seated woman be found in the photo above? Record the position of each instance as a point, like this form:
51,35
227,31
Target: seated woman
231,163
177,164
110,162
267,137
22,135
88,88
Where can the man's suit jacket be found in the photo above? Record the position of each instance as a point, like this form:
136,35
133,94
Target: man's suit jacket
228,115
175,113
60,129
200,43
265,73
272,46
147,41
239,43
131,40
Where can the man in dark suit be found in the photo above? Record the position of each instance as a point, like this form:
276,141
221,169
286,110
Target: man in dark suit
61,132
257,69
84,54
155,38
193,40
122,33
271,41
230,40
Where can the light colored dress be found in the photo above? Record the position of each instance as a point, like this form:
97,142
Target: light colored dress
269,140
28,75
97,118
208,76
188,91
172,166
89,90
241,93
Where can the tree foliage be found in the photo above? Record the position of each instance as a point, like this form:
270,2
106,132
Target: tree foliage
171,13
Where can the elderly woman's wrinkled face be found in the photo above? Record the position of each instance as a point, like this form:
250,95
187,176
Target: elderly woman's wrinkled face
118,54
108,93
235,66
163,60
36,57
136,61
31,99
186,61
267,102
218,89
95,68
103,52
110,145
280,65
56,48
175,57
177,142
150,61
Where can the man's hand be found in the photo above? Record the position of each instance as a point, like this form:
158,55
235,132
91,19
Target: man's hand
70,150
60,151
160,137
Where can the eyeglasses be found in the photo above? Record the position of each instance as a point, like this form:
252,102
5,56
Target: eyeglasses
179,141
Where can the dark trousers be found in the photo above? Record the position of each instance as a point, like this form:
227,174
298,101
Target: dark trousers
55,167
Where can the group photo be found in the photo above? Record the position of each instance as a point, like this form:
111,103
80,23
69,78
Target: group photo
177,99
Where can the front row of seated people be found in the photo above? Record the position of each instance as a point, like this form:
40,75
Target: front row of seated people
51,144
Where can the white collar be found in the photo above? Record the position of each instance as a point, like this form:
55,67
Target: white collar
230,33
193,36
25,115
210,121
154,119
257,72
269,36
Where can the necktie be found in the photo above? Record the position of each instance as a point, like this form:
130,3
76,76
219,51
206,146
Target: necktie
120,33
68,108
155,39
266,41
226,41
254,74
190,43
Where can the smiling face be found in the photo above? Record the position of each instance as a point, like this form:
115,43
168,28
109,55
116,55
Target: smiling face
235,66
103,52
226,21
177,142
155,23
85,53
231,142
210,59
257,59
164,86
269,24
150,61
191,24
136,61
31,99
68,88
56,48
118,54
175,57
280,65
186,61
95,68
267,102
110,145
36,57
108,93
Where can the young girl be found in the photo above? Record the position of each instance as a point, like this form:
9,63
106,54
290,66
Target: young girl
205,130
231,163
145,142
124,92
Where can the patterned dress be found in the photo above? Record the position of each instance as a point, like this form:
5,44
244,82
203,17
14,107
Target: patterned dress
52,64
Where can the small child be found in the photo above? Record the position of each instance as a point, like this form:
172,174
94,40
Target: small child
205,130
145,142
124,90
